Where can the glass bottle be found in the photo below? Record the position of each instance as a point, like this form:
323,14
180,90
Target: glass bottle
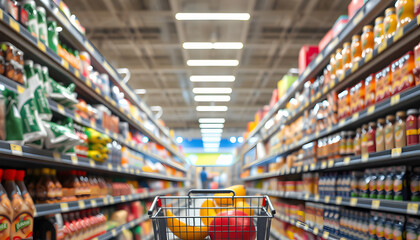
364,149
380,135
346,53
412,126
389,132
379,31
339,70
390,23
400,130
371,135
333,67
405,12
357,142
368,40
356,49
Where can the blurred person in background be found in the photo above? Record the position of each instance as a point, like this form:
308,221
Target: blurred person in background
204,178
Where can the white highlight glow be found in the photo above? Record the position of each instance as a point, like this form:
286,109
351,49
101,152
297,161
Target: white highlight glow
213,16
212,90
211,125
211,120
210,45
212,78
213,63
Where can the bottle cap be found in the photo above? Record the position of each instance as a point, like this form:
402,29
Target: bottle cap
9,174
20,175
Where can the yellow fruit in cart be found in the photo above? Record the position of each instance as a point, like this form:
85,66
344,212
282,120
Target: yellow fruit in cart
207,210
184,231
222,202
244,207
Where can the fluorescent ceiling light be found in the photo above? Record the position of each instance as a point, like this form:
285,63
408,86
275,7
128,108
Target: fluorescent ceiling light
211,108
211,135
140,91
210,45
211,145
213,63
211,130
211,139
212,78
211,120
211,125
212,98
213,16
212,90
211,150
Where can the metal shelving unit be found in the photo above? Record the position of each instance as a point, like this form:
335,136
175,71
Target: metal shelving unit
114,232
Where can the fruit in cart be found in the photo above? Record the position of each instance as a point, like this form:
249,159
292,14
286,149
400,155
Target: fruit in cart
244,207
239,191
207,211
235,224
184,231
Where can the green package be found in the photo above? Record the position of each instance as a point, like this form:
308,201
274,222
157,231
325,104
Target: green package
42,25
13,120
33,75
30,7
60,136
52,34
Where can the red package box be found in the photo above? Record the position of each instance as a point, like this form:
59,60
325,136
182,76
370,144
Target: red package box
325,40
354,6
306,55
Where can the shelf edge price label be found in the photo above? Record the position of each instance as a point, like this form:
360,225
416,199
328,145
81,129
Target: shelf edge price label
306,197
313,166
325,235
355,116
93,202
57,156
98,91
375,204
92,163
325,90
316,231
105,201
74,159
122,198
324,165
20,89
114,233
396,152
41,46
368,57
353,202
88,83
355,67
305,168
77,73
365,157
330,163
395,99
119,168
412,208
81,204
130,197
111,200
299,169
15,25
327,199
342,121
77,117
16,149
382,47
371,110
341,78
110,166
398,35
1,14
316,197
338,200
65,64
332,84
347,160
64,207
61,109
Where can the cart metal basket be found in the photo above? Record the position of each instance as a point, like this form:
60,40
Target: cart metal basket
209,216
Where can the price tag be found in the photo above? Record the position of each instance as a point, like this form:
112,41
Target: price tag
114,232
56,156
382,47
313,165
316,197
41,46
115,135
119,168
111,200
355,116
305,227
395,99
137,171
358,18
122,198
20,89
64,207
113,102
353,202
330,163
77,117
342,121
16,149
325,90
13,24
338,200
347,160
396,152
316,231
375,204
61,109
121,109
88,83
74,159
327,199
412,208
287,170
131,171
312,99
325,235
98,91
365,157
130,197
318,95
93,202
371,110
92,163
65,64
131,224
318,59
292,221
398,35
89,47
305,168
106,131
1,14
81,204
77,73
324,165
299,169
341,78
355,67
105,201
368,57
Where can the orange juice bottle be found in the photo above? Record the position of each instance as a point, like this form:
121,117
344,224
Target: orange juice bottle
346,53
368,40
405,12
390,23
379,31
356,49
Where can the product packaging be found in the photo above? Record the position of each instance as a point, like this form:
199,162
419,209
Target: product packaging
13,120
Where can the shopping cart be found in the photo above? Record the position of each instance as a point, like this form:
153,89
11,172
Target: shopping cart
192,217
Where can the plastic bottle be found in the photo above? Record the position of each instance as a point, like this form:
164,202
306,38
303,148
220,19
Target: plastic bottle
52,34
380,135
412,126
6,213
389,132
58,186
356,49
346,53
400,130
405,12
364,137
357,142
42,25
371,135
45,188
20,176
390,23
30,7
22,225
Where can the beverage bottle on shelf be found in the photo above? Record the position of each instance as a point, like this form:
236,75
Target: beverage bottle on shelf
6,213
58,186
45,188
22,225
20,176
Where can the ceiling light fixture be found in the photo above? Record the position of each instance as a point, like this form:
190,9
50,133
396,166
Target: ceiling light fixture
211,125
211,120
211,139
212,78
211,130
213,63
210,45
140,91
213,16
211,135
211,108
212,90
212,98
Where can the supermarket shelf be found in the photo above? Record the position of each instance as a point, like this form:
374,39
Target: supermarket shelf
58,108
402,207
375,111
114,232
277,235
324,234
46,56
23,155
98,61
364,16
53,208
408,154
